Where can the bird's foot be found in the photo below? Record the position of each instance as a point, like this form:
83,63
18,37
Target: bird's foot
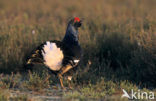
55,87
63,88
69,82
70,87
61,81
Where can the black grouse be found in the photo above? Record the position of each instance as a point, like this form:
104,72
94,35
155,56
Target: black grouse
60,57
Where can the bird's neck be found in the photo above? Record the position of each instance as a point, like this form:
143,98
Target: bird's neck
71,36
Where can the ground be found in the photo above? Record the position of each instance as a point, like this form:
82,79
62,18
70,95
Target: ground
34,87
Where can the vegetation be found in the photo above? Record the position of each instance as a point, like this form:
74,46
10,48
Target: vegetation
118,38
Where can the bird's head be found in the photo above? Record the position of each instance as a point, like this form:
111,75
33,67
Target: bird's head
76,22
71,35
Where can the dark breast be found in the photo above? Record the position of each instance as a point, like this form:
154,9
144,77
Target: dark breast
71,53
76,51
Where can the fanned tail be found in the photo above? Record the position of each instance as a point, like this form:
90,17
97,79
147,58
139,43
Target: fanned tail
49,53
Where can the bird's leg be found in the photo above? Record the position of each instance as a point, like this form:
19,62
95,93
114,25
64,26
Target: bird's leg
64,70
69,82
61,81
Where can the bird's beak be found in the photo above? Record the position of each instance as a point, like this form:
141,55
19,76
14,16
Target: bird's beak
78,24
81,22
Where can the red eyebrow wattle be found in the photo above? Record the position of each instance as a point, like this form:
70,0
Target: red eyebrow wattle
76,19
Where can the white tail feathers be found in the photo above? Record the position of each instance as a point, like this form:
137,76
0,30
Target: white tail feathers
52,55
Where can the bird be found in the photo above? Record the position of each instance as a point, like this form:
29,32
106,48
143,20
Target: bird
61,57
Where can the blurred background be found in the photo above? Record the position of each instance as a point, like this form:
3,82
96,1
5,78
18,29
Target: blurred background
117,36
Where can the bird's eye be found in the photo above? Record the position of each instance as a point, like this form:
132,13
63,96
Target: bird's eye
77,24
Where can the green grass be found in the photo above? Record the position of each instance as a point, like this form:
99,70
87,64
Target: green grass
35,82
117,36
104,90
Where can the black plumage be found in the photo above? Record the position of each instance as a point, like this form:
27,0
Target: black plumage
60,56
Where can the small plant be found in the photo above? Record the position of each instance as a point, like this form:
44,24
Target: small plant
74,95
97,91
127,85
9,81
37,83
